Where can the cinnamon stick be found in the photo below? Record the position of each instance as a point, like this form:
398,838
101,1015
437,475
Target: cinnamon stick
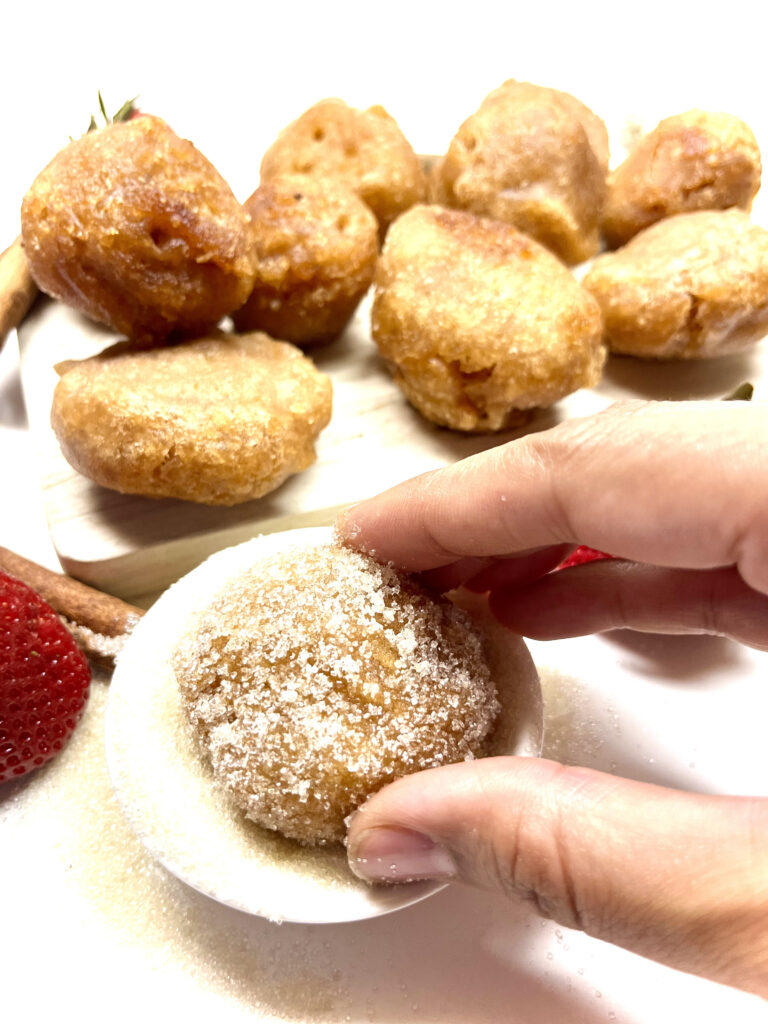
17,289
98,621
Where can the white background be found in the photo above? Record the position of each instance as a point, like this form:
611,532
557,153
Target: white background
85,918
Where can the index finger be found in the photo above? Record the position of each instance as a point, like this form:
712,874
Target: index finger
671,483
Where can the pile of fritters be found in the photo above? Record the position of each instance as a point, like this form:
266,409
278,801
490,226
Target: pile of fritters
475,312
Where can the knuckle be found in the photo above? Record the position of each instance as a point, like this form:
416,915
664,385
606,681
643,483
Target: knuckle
570,452
529,855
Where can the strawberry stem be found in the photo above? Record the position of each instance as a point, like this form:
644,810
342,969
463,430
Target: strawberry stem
743,393
125,113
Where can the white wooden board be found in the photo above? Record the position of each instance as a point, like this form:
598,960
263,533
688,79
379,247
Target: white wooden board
133,546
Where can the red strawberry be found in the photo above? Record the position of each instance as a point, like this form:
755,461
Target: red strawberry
44,680
581,556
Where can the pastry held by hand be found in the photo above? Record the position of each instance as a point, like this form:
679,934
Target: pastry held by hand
317,676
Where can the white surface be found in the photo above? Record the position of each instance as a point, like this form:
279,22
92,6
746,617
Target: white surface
87,919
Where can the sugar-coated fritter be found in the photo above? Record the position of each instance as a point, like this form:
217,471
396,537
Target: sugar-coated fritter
315,245
318,676
693,161
478,322
532,157
219,420
689,287
363,149
135,228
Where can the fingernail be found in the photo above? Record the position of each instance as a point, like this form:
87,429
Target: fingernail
400,855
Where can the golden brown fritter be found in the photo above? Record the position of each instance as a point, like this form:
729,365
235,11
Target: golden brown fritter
690,287
135,228
219,420
693,161
315,245
478,321
532,157
363,149
318,676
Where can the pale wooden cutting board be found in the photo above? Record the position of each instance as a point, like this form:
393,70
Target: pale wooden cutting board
134,547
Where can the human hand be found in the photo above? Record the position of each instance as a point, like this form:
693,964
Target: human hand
680,490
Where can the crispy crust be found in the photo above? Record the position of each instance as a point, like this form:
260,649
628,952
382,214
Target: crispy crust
363,149
692,286
532,157
692,161
135,228
478,322
316,245
219,420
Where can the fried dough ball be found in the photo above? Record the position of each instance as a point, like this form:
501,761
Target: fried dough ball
316,245
532,157
693,161
135,228
318,676
363,149
479,322
219,420
690,287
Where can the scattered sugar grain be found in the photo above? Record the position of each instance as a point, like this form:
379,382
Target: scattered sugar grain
98,643
69,808
571,736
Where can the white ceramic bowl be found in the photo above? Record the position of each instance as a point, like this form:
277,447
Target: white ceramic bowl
168,795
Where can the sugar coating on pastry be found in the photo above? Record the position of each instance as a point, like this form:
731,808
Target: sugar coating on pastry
315,245
532,157
691,286
478,322
699,160
318,675
363,149
219,420
132,226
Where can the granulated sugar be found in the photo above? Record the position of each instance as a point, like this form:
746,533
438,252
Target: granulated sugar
74,826
573,734
319,675
98,643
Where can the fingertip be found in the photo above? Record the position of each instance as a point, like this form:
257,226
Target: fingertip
346,529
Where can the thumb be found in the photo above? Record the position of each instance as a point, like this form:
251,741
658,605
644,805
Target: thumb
681,878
